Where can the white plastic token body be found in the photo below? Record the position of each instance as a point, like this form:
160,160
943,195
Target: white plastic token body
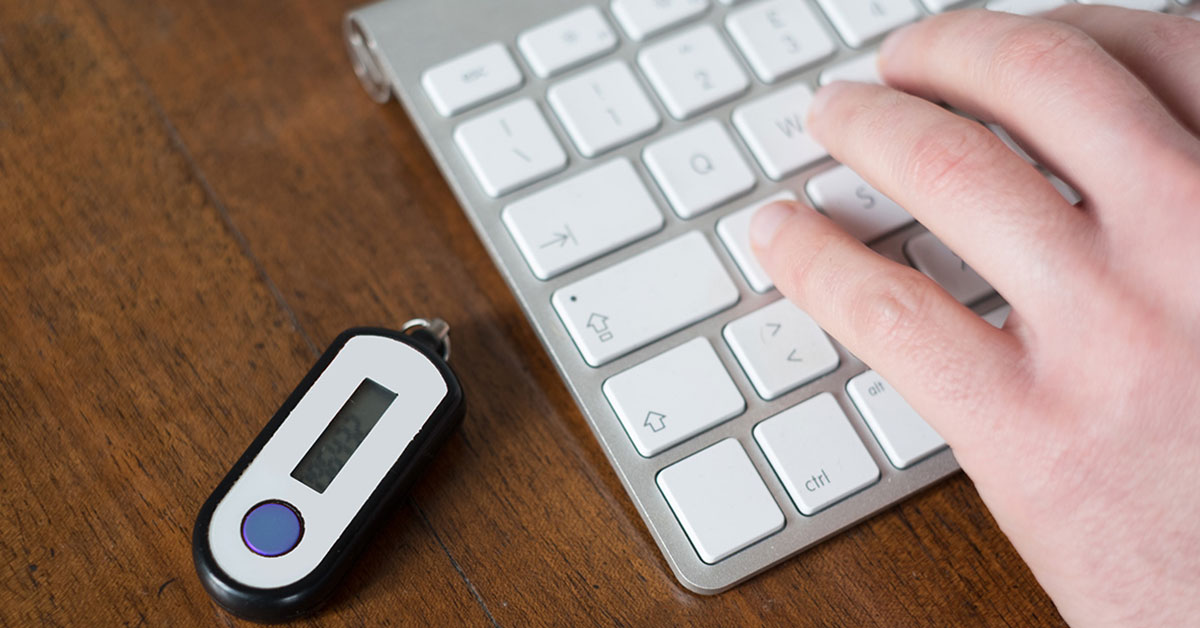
388,363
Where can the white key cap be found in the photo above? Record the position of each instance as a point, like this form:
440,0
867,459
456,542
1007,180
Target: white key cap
939,6
699,168
1145,5
567,41
692,71
603,108
851,202
582,218
1069,193
510,147
860,21
734,231
904,436
930,256
861,69
644,298
1024,7
781,348
720,500
779,37
773,127
997,317
470,79
816,453
674,396
643,18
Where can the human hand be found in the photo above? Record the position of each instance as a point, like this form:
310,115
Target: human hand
1079,421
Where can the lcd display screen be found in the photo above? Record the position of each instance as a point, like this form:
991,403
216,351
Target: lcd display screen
343,435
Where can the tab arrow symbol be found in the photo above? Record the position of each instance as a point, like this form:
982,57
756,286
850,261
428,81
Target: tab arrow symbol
561,238
792,357
655,421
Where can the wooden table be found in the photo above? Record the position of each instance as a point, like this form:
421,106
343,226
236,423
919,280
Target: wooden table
197,196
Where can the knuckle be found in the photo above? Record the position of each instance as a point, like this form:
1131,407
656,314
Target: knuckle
890,307
1171,40
808,268
1040,49
950,155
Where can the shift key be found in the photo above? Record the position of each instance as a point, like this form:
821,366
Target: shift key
635,302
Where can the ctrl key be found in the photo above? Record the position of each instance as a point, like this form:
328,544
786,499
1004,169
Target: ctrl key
816,453
720,500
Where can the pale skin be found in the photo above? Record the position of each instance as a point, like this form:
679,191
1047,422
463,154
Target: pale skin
1079,421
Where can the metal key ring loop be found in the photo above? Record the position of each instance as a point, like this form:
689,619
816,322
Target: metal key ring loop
438,328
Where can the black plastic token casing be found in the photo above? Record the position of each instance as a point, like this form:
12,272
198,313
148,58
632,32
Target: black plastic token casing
305,595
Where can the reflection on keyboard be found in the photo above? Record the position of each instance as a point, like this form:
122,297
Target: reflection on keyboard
624,146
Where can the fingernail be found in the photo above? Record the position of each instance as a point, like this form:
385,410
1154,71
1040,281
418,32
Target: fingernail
893,43
821,100
766,222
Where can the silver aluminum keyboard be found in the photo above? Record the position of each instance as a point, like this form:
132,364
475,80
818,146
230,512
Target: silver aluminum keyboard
609,154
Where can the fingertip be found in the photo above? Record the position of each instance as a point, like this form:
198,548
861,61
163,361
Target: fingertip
821,100
893,46
767,221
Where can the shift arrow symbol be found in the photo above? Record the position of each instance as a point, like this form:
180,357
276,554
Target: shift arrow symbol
655,421
597,322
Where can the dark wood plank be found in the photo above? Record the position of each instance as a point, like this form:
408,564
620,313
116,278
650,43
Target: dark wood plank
140,350
346,213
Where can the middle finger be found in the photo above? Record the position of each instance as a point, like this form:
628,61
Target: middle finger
984,202
1080,110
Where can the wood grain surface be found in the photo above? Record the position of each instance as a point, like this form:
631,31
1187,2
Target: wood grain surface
195,197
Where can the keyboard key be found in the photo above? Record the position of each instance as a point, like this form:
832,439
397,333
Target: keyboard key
1145,5
582,218
851,202
773,128
779,37
643,18
720,500
644,298
471,79
692,71
603,108
936,260
1024,7
734,231
781,348
997,317
860,21
904,436
567,41
674,396
1069,193
699,168
861,69
816,453
510,147
939,6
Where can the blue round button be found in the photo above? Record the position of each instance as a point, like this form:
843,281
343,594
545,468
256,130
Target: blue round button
272,528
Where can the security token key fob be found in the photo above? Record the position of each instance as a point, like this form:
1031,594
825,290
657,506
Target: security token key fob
285,523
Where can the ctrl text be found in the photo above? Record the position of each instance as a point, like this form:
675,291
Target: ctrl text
817,481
